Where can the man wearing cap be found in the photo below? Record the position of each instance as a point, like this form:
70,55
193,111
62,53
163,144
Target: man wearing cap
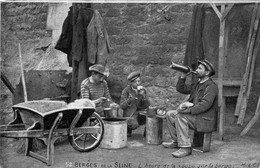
202,116
95,88
133,99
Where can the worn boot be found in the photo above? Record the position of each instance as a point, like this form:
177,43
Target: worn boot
182,152
170,145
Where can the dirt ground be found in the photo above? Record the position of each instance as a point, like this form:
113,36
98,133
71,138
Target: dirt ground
234,151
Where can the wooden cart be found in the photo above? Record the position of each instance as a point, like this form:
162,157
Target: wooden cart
48,120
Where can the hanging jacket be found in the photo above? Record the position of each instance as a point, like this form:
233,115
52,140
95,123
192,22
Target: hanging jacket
81,39
97,41
64,43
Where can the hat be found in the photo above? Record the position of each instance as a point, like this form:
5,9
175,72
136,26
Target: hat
98,68
132,76
208,66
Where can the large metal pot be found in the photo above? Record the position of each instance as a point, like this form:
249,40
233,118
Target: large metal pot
110,112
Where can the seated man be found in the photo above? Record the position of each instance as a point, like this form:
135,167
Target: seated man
200,116
95,88
133,99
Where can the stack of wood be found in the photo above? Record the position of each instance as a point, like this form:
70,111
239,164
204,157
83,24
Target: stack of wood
253,45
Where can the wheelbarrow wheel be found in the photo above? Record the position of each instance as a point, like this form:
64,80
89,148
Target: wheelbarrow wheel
87,142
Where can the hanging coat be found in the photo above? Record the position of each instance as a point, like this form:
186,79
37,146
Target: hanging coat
85,41
90,40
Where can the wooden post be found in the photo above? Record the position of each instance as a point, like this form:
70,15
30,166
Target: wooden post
221,14
23,78
225,13
220,76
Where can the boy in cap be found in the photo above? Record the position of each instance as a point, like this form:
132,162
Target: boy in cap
133,99
202,116
95,88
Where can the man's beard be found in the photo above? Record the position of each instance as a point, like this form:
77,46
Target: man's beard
200,76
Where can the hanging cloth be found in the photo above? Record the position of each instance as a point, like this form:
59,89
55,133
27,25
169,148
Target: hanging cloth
194,48
85,41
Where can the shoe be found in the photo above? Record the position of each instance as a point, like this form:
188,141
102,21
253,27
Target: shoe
182,152
170,145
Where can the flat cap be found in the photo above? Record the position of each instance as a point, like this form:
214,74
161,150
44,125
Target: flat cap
208,66
98,68
132,76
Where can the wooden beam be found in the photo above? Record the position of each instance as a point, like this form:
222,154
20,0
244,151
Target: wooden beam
226,11
220,76
221,59
253,54
244,80
7,82
216,10
223,104
229,82
253,120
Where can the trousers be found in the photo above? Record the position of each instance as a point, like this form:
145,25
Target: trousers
136,120
179,126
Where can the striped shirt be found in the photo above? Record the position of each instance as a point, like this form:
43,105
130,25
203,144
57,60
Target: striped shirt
94,91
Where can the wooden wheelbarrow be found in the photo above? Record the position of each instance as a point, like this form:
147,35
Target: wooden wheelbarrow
48,120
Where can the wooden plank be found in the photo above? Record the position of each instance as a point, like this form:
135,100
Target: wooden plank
28,145
32,133
220,76
230,91
7,82
216,10
14,127
244,80
253,120
253,54
207,141
229,82
226,11
37,156
22,72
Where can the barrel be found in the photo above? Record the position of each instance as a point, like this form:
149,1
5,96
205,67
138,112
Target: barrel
154,127
115,133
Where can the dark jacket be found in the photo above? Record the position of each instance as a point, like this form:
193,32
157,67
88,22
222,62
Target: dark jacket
131,105
204,96
84,35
